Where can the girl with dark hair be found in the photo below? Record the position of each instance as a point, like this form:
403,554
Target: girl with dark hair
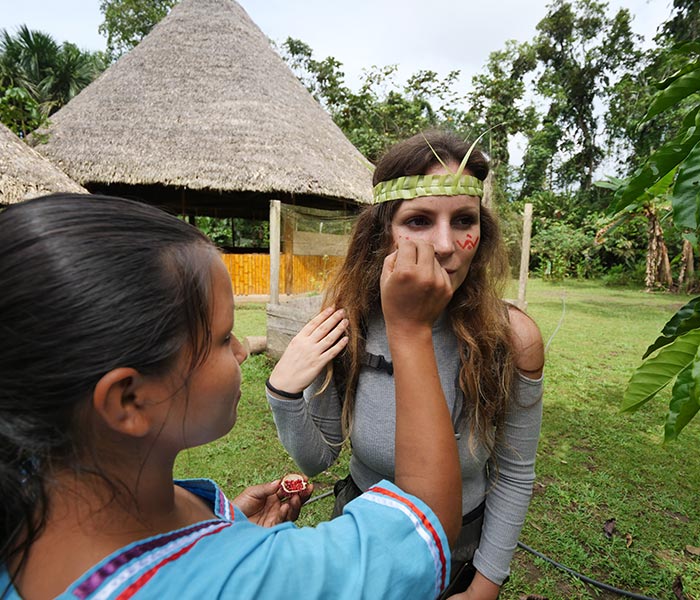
117,353
490,356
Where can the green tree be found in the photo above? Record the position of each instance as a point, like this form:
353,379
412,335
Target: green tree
683,25
537,169
634,136
495,101
581,52
38,76
675,165
381,111
126,22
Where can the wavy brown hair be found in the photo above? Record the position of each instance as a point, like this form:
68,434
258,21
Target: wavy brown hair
477,313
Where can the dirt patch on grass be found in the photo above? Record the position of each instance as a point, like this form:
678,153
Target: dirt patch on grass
541,485
676,516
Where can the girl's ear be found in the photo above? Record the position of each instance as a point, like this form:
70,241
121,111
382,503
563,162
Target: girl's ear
119,398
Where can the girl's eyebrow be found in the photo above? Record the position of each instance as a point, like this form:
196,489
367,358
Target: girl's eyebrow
423,210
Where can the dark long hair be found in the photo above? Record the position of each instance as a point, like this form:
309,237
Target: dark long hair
88,284
477,313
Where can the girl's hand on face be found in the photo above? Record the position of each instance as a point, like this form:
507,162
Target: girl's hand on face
415,289
267,505
319,342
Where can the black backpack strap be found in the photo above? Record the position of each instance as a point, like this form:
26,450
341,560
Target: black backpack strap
340,372
377,361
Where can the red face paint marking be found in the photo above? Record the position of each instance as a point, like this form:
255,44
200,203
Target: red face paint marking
468,243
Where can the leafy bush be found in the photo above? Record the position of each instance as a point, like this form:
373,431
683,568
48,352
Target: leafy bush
623,276
20,112
248,233
560,251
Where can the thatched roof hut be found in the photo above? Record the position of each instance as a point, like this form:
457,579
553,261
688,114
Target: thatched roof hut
205,117
25,174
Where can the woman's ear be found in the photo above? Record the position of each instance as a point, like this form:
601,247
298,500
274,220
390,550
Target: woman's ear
119,398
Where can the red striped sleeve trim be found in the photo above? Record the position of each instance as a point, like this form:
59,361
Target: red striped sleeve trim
426,523
148,575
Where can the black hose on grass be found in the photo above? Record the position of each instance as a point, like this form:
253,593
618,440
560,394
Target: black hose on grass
598,584
584,578
324,495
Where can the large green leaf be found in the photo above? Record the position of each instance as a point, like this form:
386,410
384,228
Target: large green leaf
661,162
684,403
681,88
658,371
685,207
611,183
685,49
686,190
686,319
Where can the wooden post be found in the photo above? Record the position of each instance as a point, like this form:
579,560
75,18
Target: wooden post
275,226
525,256
288,235
487,200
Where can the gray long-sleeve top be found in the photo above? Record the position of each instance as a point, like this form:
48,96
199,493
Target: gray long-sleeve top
310,430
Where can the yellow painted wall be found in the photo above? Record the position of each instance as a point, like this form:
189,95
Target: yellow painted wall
250,273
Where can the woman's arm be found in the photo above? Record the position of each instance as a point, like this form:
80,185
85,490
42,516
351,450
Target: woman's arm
511,482
311,433
414,291
310,428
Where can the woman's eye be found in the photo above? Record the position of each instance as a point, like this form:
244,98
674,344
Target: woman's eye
417,222
464,222
228,338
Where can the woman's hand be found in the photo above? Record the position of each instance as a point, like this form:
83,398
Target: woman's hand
480,588
415,289
267,504
319,342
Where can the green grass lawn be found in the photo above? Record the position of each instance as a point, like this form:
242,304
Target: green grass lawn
594,464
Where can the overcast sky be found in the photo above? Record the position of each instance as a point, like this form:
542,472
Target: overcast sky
441,35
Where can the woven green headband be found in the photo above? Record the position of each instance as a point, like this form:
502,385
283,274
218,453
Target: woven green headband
406,188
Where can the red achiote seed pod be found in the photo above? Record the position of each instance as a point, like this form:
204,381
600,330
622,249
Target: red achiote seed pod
293,483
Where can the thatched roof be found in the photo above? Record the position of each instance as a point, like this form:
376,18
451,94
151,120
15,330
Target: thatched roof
25,174
205,107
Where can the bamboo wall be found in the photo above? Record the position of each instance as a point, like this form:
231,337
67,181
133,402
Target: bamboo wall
250,273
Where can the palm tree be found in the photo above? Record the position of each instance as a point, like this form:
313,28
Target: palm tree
48,73
72,70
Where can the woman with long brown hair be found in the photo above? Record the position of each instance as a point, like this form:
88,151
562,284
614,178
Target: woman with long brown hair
490,355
